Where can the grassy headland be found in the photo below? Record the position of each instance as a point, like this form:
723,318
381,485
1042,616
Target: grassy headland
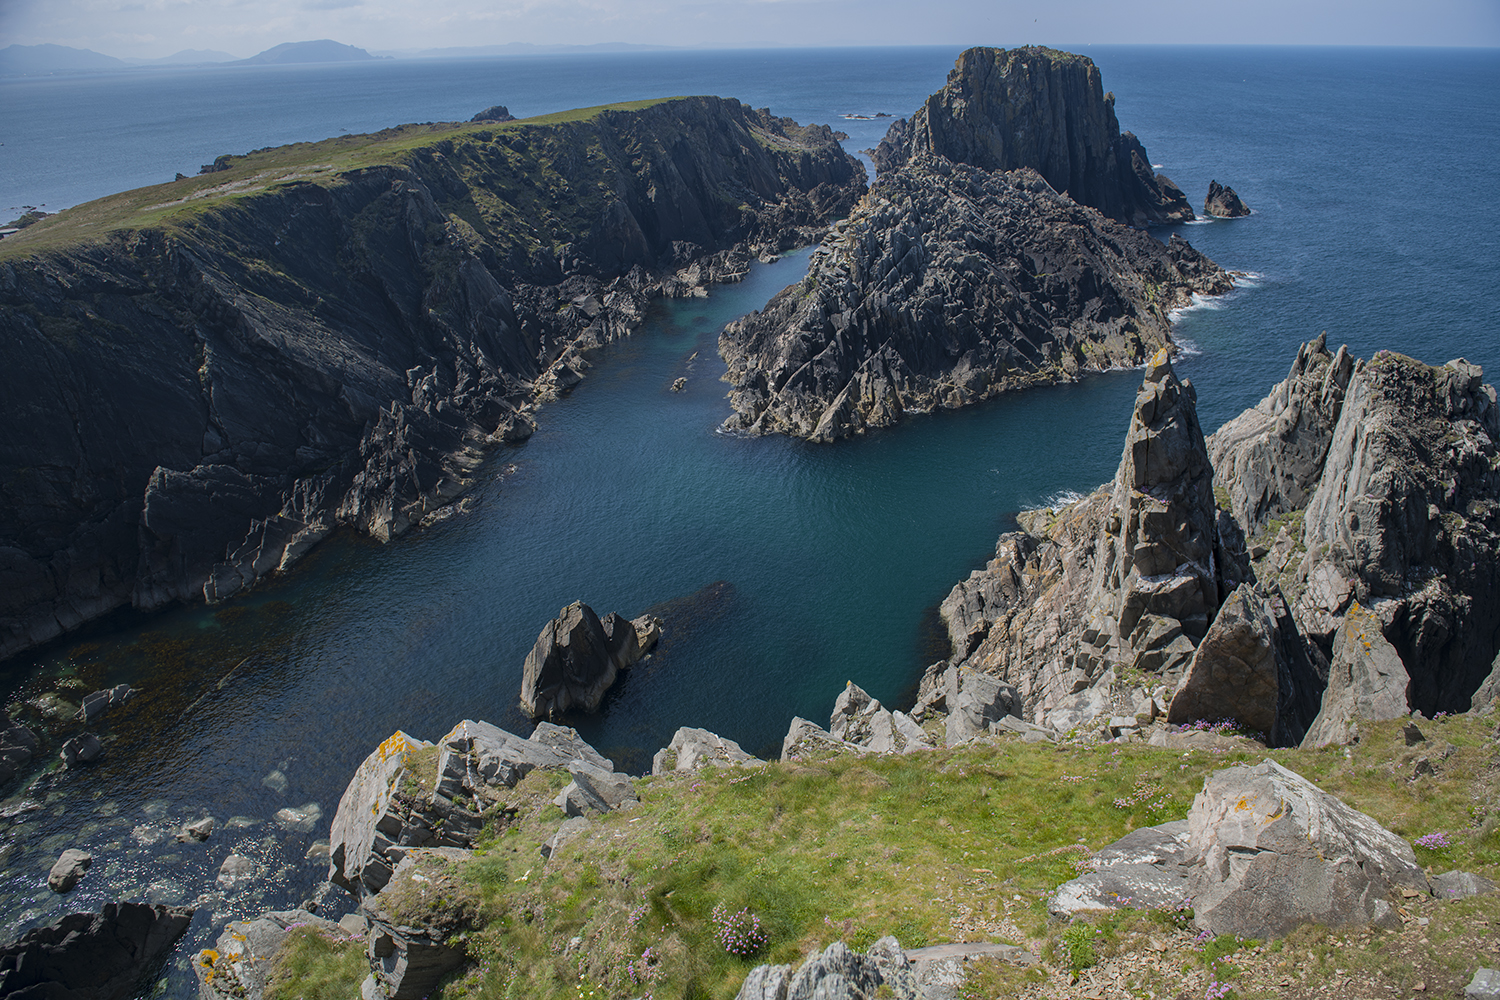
947,845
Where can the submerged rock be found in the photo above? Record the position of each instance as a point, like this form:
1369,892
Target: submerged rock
18,745
68,869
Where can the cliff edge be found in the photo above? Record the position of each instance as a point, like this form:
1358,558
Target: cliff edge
205,378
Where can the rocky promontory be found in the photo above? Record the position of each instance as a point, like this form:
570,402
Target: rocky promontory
1223,202
988,256
1329,555
205,378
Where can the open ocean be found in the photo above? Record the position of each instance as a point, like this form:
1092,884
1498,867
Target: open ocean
1368,171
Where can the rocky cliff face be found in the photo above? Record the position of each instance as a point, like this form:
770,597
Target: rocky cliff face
1004,109
946,286
1368,494
192,404
964,273
1403,513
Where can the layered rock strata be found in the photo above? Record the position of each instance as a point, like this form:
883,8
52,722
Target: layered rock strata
1347,519
1115,590
413,794
191,404
95,956
1375,484
964,272
1043,109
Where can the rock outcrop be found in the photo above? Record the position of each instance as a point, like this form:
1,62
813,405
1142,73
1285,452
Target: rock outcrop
949,285
239,965
413,794
1122,581
1366,680
577,656
68,869
1043,109
91,956
191,404
1262,851
1355,498
694,749
990,255
1234,673
1223,202
837,973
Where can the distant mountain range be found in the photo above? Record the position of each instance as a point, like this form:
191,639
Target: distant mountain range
41,60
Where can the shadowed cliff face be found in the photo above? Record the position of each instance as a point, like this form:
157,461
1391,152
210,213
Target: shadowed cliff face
1039,108
193,404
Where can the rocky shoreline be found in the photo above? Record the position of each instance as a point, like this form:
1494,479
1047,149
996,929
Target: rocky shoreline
194,404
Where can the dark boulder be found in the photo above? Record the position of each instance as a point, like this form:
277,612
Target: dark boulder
18,745
1223,202
90,956
497,113
576,659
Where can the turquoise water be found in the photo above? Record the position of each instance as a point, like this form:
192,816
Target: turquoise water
1361,167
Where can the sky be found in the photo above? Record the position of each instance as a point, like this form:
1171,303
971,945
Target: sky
154,28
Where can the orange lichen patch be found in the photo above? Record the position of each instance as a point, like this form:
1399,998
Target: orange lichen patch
208,958
397,743
1242,804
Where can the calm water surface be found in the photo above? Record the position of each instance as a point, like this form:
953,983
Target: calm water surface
787,568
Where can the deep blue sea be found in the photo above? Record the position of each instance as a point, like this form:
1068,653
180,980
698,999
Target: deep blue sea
1368,172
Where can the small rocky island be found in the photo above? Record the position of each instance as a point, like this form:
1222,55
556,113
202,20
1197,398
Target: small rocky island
996,250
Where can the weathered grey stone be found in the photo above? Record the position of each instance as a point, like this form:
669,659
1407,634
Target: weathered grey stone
804,738
1234,673
836,973
239,965
976,700
99,956
694,749
96,704
84,748
1484,986
1271,851
1270,457
571,828
598,790
1406,513
1366,680
409,958
1146,868
364,814
852,711
1461,885
68,869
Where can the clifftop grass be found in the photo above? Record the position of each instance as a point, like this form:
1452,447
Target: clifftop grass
960,845
324,163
